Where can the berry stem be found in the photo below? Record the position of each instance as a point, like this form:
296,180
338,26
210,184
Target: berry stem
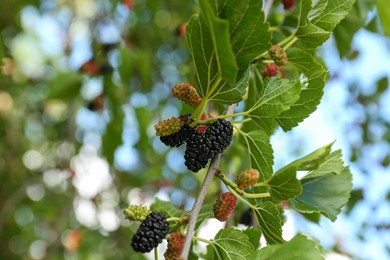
202,240
256,195
240,198
290,43
155,253
228,182
242,121
287,40
234,186
261,184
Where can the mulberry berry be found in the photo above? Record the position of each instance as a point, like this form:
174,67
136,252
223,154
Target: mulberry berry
219,133
279,55
198,152
177,139
269,70
224,206
288,4
150,233
247,178
175,246
187,93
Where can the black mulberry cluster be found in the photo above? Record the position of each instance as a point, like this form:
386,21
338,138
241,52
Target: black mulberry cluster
150,233
202,147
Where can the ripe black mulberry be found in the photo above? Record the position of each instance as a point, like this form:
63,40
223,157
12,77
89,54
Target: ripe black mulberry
150,233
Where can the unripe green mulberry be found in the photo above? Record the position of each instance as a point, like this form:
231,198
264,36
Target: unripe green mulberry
169,126
247,178
278,55
136,213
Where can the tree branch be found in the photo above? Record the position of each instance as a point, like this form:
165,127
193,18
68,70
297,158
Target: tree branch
199,200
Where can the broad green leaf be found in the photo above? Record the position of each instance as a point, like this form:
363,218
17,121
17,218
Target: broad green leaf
254,235
356,18
383,8
211,72
335,11
232,94
332,164
219,30
285,185
166,208
313,80
311,161
247,37
311,35
260,152
256,84
270,222
298,248
318,6
249,33
65,86
230,243
206,211
277,96
325,194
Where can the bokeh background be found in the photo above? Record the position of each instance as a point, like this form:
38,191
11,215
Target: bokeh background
82,84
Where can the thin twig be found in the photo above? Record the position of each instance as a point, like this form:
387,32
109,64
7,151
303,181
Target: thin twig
199,200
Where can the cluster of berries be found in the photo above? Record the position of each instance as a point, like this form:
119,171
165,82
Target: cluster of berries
279,57
202,146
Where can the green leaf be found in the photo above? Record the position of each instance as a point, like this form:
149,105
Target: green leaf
285,185
209,44
332,164
260,152
298,248
65,86
166,208
311,35
314,78
254,235
311,161
345,31
325,194
246,38
270,222
256,84
249,32
334,12
383,8
277,96
206,211
230,243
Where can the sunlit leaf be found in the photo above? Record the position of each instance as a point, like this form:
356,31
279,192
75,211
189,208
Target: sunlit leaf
232,244
325,194
313,80
284,184
298,248
270,222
